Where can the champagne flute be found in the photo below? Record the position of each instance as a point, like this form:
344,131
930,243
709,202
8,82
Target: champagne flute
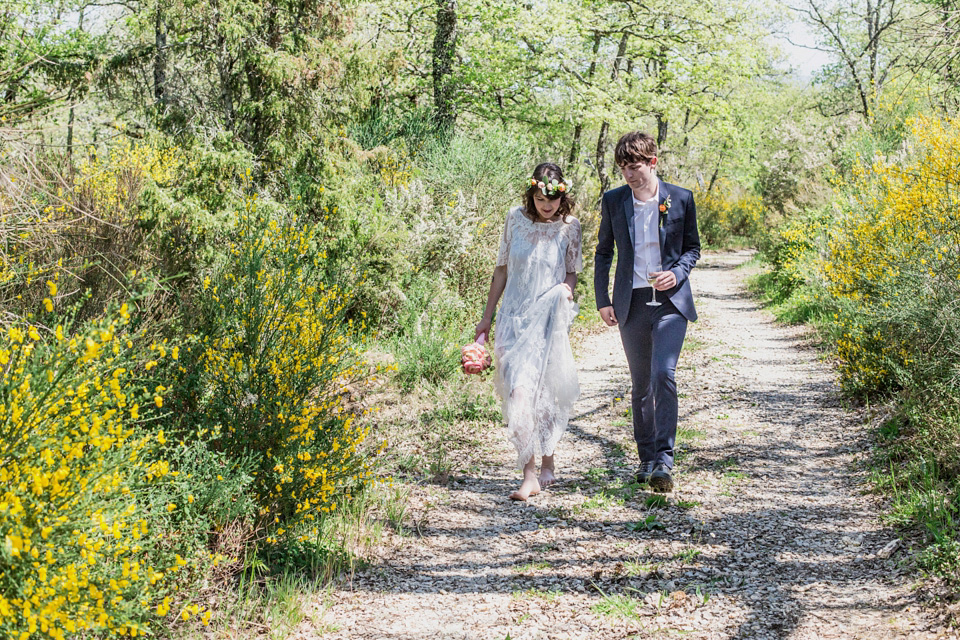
653,270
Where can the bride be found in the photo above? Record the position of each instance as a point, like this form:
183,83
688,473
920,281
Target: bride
536,274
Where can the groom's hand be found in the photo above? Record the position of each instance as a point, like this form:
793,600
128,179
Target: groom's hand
665,280
608,316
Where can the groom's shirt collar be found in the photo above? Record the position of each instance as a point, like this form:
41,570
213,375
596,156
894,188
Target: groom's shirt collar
638,203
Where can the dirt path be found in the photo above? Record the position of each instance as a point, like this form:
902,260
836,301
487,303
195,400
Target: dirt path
768,535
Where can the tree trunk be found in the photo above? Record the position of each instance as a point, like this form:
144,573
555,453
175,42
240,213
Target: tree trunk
661,129
661,66
70,119
601,159
873,12
444,57
159,61
578,130
575,145
605,127
716,171
686,131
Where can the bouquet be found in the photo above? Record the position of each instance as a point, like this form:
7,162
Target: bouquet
475,357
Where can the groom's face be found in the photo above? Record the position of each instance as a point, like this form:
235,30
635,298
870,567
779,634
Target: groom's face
639,175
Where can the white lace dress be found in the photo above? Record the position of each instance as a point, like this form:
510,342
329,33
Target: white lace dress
536,376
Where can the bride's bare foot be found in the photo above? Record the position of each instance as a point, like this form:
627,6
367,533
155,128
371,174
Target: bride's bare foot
546,477
530,487
546,472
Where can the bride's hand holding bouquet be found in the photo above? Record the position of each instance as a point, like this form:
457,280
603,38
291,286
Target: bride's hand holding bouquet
474,357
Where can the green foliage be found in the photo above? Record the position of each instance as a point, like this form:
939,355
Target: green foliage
725,217
426,357
430,329
649,523
268,368
377,127
793,284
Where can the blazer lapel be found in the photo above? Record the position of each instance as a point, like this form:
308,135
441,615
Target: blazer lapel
628,215
662,217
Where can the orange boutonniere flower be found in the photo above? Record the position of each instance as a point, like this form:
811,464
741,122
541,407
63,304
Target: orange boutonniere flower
664,207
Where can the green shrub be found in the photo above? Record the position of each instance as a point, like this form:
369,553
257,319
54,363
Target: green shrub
268,368
725,216
432,325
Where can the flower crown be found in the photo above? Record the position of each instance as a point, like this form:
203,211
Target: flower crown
551,188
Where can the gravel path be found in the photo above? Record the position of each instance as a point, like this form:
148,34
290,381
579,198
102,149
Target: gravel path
768,535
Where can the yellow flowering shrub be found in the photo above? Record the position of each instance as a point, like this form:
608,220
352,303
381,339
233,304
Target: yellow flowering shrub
72,533
109,182
79,229
894,260
273,363
723,214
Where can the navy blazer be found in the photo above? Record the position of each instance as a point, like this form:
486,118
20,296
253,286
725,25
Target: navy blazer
679,248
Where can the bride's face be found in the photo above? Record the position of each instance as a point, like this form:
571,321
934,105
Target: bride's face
546,208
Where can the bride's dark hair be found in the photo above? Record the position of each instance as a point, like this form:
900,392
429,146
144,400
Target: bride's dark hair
546,172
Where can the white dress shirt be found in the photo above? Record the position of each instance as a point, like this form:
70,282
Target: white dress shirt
646,238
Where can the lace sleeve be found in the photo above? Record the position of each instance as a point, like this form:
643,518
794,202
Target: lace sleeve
504,254
574,256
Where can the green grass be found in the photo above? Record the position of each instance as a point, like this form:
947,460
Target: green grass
726,463
649,523
538,594
428,356
559,512
618,449
618,606
728,480
531,566
687,555
800,305
596,476
601,500
656,501
690,434
640,568
274,603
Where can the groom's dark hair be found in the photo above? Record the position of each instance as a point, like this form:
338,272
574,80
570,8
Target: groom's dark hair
635,146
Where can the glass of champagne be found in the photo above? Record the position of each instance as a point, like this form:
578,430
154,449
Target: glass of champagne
653,270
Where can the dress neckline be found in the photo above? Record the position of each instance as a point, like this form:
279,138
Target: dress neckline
535,222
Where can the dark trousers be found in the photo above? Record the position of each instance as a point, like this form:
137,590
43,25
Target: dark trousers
652,338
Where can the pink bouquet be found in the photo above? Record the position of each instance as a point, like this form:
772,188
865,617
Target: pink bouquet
475,357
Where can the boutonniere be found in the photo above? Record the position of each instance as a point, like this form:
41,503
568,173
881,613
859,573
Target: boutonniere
664,208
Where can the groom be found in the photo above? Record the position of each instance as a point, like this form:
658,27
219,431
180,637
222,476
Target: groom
654,228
